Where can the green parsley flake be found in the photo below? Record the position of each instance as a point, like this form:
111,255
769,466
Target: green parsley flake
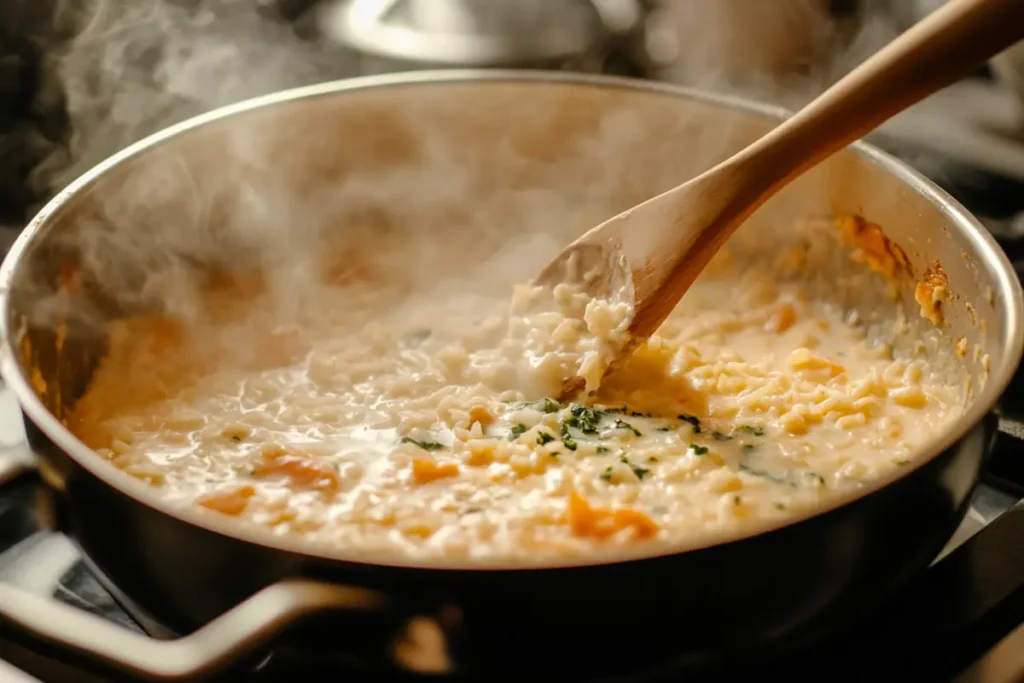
752,430
694,422
620,424
640,472
546,405
584,419
567,439
544,438
425,445
699,450
517,431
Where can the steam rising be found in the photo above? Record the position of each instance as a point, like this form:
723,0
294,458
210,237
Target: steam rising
136,67
278,191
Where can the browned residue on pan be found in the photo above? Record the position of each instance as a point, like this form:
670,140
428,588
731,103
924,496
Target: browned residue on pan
931,293
871,247
961,346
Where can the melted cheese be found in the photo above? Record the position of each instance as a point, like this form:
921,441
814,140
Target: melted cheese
429,431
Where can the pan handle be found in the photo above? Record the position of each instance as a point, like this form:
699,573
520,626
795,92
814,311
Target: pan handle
237,634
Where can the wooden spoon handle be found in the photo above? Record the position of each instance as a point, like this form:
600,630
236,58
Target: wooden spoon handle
933,53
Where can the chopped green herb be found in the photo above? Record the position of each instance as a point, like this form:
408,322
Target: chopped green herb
736,500
425,445
567,439
546,405
584,419
779,505
752,430
620,424
699,450
652,459
637,470
693,421
517,431
816,477
782,479
901,461
664,429
607,474
544,438
719,436
748,447
636,414
601,450
471,509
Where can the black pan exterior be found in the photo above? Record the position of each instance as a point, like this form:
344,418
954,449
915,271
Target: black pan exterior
762,593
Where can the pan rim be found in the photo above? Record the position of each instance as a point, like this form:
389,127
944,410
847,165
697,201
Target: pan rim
1011,306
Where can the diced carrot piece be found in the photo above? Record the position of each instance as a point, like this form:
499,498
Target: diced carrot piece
643,526
230,502
582,517
782,319
587,521
425,470
482,415
480,454
300,472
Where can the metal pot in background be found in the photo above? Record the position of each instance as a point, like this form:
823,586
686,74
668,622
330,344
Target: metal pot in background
575,35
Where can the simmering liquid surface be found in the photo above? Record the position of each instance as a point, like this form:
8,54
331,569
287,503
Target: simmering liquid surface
429,429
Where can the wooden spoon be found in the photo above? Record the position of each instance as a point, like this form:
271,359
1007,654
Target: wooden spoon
657,249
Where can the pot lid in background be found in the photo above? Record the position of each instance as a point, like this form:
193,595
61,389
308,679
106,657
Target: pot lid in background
477,33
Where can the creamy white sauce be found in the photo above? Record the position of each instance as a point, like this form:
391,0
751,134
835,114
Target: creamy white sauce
428,430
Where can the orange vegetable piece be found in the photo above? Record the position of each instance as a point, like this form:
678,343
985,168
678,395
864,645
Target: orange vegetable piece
301,473
425,470
782,319
230,502
587,521
482,415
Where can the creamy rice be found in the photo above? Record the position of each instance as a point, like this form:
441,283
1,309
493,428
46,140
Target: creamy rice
430,430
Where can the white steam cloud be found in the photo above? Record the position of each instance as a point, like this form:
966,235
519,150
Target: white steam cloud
269,197
137,66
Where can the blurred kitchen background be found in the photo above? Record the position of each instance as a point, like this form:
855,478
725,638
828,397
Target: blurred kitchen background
80,79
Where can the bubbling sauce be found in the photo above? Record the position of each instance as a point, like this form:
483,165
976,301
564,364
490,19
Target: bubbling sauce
432,431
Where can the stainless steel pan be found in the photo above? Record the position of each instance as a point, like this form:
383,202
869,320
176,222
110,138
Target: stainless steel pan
589,147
